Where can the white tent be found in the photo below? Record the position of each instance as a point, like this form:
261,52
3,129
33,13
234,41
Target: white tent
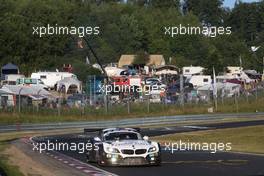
9,92
5,90
66,83
24,90
226,89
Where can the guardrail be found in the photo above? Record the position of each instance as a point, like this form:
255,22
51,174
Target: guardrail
133,122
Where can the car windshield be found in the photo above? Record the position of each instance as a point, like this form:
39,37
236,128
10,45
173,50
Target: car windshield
122,136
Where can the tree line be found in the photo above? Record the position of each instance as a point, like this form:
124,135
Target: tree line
130,27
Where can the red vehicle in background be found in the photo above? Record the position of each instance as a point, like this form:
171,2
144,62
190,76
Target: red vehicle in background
126,81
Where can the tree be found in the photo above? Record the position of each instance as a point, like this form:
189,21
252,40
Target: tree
210,12
141,58
165,4
129,28
246,19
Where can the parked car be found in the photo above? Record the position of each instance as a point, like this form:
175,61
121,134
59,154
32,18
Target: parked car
149,81
77,100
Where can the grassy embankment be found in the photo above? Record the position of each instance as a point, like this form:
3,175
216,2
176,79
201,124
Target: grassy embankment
6,138
8,169
243,139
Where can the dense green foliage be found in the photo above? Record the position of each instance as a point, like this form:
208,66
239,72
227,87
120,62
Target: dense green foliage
128,28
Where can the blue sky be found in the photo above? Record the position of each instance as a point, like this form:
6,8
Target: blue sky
230,3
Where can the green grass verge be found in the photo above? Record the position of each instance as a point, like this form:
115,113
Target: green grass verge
244,139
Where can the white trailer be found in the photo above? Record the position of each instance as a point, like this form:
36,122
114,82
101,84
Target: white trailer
200,80
11,79
192,70
50,79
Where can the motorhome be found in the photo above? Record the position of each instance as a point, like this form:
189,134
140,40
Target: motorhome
200,80
11,79
192,70
234,75
50,79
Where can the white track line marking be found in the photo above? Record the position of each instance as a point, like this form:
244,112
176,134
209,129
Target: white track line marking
80,167
196,127
96,169
87,171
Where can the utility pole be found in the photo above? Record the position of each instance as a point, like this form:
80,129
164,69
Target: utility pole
181,91
263,70
83,103
215,90
102,68
19,99
95,55
148,103
38,103
59,104
236,102
128,105
106,101
90,81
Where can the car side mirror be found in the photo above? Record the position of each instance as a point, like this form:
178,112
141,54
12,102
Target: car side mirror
97,139
146,138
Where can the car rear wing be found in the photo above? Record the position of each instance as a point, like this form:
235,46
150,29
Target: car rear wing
91,130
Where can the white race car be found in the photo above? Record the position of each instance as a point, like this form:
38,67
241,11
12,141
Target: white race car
123,147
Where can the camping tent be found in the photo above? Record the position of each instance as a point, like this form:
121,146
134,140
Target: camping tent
67,84
10,93
23,90
225,89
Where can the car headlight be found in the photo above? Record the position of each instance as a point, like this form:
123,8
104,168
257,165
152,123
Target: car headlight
152,149
112,150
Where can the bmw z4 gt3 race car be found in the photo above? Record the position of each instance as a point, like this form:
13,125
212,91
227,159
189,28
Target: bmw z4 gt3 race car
123,147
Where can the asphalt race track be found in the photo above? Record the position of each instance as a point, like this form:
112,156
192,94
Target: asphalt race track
182,162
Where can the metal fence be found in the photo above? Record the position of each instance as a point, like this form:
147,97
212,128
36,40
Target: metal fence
95,103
